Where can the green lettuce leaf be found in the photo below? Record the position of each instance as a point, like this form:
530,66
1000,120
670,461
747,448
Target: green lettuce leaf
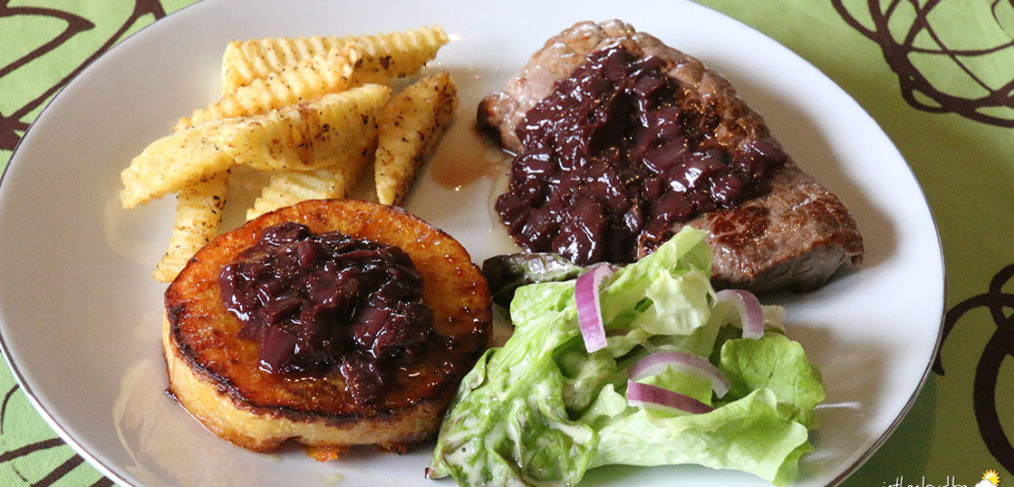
542,411
779,365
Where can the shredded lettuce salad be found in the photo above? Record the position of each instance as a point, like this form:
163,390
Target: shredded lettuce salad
540,410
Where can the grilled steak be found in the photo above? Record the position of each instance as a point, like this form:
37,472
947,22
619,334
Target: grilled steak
786,231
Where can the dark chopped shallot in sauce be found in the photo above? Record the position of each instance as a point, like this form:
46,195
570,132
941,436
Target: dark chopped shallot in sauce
616,155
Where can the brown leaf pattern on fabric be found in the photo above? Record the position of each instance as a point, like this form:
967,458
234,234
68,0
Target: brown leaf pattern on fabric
987,373
13,125
904,31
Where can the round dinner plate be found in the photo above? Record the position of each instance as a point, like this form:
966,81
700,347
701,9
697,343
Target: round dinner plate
80,314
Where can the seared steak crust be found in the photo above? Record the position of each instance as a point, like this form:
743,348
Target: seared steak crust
795,236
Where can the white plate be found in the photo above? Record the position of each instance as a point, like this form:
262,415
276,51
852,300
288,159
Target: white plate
79,312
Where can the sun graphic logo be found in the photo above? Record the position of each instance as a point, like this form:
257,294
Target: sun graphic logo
989,479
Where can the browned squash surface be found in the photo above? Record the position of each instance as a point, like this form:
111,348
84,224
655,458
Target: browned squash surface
215,374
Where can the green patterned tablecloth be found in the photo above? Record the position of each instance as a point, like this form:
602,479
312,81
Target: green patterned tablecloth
937,75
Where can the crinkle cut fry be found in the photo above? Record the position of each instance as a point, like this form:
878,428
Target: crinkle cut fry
383,56
333,173
309,136
299,137
199,206
287,188
170,163
410,125
305,80
198,215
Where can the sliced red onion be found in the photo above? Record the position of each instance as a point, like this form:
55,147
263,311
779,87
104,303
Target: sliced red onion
688,363
750,313
646,395
589,308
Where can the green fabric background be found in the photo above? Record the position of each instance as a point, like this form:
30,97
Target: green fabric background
965,166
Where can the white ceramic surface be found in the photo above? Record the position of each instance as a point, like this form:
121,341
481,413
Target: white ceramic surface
79,312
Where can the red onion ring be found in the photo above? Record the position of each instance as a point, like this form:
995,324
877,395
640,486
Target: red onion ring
589,307
681,362
646,395
750,314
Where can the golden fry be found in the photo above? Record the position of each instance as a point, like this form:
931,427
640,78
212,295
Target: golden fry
170,163
396,54
305,80
245,61
306,109
337,126
198,215
408,129
290,187
198,208
302,137
384,56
